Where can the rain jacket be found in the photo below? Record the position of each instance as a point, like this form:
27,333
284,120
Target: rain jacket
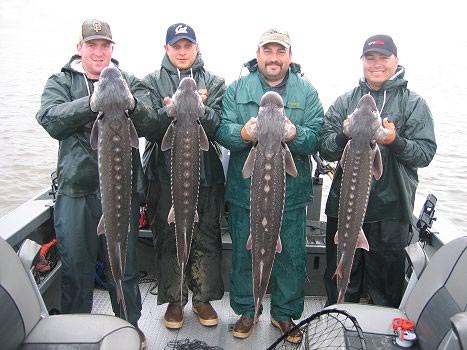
66,115
393,195
163,83
302,107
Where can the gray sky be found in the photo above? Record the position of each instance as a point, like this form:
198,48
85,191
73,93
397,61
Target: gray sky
326,36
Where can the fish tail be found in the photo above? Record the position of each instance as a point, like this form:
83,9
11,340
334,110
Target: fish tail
340,298
121,298
118,280
182,268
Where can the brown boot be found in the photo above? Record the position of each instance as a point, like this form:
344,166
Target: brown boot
285,326
173,318
207,316
243,327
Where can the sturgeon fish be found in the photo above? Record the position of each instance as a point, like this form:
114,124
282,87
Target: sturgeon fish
186,138
267,164
113,135
361,160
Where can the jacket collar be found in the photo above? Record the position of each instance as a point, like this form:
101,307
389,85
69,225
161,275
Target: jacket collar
397,80
74,64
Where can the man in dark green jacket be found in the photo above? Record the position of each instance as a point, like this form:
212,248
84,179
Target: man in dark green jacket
272,70
410,145
66,115
203,273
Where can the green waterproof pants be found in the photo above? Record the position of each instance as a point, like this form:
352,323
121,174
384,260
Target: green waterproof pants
203,274
287,282
76,220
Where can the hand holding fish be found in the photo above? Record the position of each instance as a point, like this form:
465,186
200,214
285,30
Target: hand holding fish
203,93
290,131
346,125
391,130
248,132
167,101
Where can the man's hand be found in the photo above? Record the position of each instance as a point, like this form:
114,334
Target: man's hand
167,101
133,103
204,95
346,125
391,129
290,130
248,132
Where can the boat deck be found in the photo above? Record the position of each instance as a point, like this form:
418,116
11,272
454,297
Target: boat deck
159,337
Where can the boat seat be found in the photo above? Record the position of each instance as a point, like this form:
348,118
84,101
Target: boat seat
438,296
24,326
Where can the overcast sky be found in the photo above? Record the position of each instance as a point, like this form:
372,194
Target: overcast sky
326,36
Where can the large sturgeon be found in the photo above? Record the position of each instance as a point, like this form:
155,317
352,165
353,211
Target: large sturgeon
267,164
113,134
360,161
186,138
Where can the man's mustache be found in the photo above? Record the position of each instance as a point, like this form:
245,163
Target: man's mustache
273,62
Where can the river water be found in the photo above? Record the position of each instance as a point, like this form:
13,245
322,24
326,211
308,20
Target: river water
37,39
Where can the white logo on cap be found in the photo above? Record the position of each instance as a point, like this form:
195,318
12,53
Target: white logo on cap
180,29
97,26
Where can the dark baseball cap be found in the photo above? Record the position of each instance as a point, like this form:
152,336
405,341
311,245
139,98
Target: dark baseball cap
95,29
179,31
380,43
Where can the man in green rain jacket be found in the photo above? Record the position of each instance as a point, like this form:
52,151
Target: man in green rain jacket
203,273
66,115
410,145
273,70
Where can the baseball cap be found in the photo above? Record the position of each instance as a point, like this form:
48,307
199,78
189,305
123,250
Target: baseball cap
95,29
274,35
179,31
380,43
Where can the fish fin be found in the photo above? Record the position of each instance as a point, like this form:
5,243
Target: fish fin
95,134
171,216
290,167
344,154
362,242
196,216
134,141
249,243
377,164
101,226
279,245
336,238
167,139
249,164
203,139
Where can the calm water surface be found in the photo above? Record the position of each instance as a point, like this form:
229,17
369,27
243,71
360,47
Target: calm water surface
36,41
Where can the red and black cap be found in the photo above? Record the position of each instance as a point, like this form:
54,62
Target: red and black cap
380,43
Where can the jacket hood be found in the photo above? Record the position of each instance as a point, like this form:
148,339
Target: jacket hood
252,65
198,64
397,80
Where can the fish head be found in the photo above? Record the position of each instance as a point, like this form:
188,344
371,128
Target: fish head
271,120
187,102
365,120
111,92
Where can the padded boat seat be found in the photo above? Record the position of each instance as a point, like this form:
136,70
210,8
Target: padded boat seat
438,295
22,326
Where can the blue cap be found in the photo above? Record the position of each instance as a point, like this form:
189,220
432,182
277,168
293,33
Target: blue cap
179,31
